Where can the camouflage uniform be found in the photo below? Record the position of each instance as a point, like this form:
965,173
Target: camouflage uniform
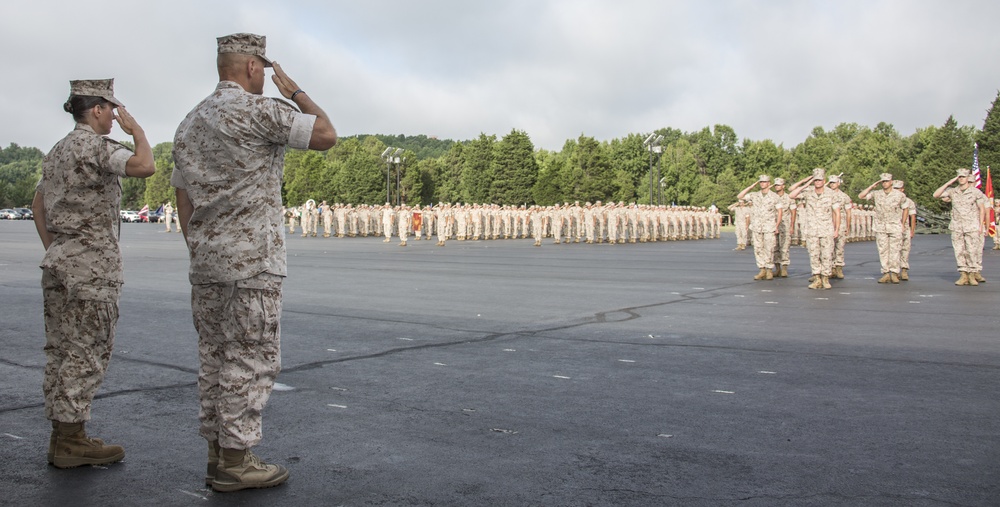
764,209
888,227
838,244
783,242
904,251
966,239
817,216
82,268
236,265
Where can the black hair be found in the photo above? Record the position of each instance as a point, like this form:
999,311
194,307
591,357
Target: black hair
78,105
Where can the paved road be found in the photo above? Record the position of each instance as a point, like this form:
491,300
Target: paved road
497,373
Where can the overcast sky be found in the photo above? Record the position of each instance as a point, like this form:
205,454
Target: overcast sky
554,69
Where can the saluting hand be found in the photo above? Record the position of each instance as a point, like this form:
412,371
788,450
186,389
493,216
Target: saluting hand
286,86
126,121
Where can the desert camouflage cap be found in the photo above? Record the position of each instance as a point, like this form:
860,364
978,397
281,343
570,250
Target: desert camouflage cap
244,44
779,181
819,173
964,172
834,178
764,177
897,184
885,177
103,88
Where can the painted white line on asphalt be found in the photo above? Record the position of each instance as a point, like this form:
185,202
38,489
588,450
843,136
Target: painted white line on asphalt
338,389
664,435
440,364
723,392
331,350
336,406
914,302
766,290
15,437
739,295
560,376
822,299
676,293
510,350
278,386
626,361
501,430
770,302
697,288
845,293
196,495
405,339
767,372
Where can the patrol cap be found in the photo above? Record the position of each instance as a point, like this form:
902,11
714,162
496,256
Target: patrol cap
964,172
819,173
244,44
833,179
897,184
763,178
103,88
885,177
779,181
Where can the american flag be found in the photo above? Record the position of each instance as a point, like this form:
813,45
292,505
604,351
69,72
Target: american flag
975,167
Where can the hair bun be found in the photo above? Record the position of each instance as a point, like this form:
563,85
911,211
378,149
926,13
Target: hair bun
68,107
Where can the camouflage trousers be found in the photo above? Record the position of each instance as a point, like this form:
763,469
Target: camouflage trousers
889,244
968,248
239,348
763,249
838,248
820,254
904,250
80,318
782,244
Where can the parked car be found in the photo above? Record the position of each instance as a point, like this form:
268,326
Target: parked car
130,216
26,213
154,217
9,214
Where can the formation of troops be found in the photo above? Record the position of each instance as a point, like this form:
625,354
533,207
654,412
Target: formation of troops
815,213
613,223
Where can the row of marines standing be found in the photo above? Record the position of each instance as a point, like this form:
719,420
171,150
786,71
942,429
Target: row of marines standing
614,223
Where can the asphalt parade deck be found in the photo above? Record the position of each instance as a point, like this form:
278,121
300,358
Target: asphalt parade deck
498,373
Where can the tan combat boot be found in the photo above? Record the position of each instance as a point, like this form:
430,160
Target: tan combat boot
783,271
894,277
817,282
213,461
978,277
963,279
74,448
768,274
761,274
904,274
838,272
972,278
825,281
886,278
241,469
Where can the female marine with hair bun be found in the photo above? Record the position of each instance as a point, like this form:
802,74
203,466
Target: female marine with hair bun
76,209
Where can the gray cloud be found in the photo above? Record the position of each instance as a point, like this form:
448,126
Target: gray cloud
555,69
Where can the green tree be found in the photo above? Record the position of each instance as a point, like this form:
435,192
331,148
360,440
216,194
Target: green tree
156,189
949,149
514,169
989,141
477,169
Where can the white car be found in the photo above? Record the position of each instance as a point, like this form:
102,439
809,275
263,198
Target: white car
130,216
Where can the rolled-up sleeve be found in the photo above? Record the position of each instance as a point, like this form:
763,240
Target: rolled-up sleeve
301,133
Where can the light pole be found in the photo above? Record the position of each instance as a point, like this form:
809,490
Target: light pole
398,160
387,156
652,144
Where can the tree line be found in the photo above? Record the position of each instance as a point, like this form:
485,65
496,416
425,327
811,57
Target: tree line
698,168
